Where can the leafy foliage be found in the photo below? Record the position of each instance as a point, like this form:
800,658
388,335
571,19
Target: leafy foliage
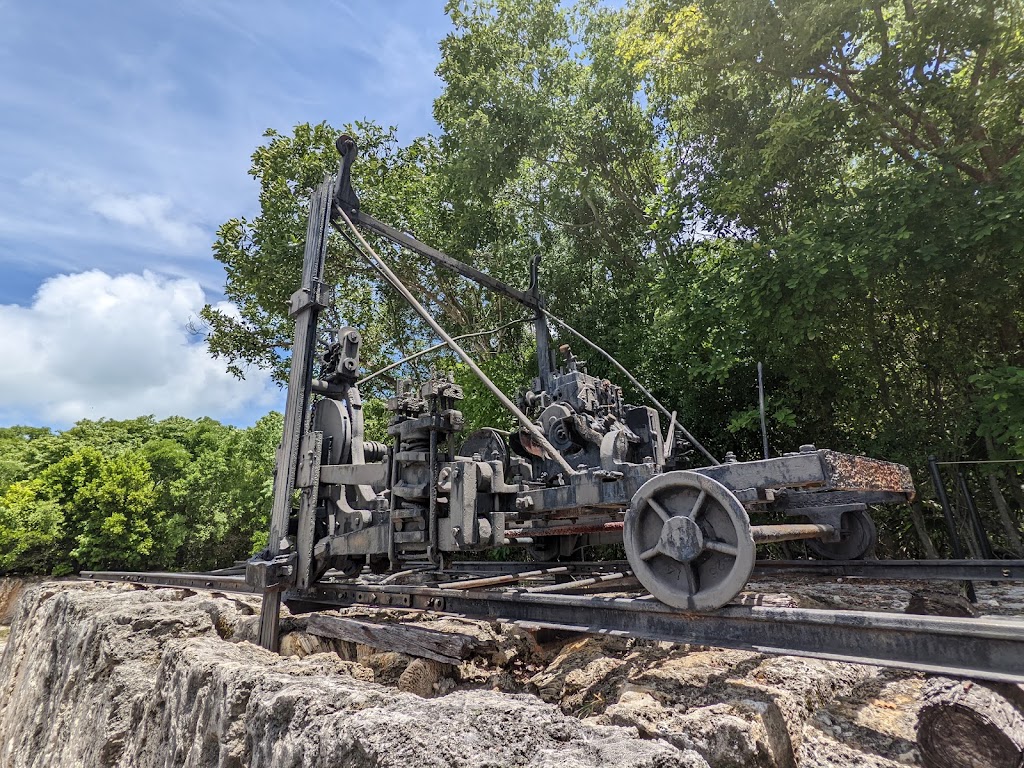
833,189
138,494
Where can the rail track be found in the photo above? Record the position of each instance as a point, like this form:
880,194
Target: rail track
906,570
540,595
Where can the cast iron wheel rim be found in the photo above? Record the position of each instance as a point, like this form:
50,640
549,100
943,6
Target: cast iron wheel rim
859,537
688,541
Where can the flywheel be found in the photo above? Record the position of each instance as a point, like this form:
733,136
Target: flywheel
688,541
858,538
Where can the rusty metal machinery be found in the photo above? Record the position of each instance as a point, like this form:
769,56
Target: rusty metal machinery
584,466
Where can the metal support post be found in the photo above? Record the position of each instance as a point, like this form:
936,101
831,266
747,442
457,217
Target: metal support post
954,536
980,535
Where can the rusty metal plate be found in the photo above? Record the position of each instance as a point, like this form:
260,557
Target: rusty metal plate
859,473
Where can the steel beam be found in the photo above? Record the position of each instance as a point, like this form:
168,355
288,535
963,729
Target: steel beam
983,648
907,570
185,580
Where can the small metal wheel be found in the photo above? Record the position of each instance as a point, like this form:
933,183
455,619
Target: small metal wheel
688,541
858,538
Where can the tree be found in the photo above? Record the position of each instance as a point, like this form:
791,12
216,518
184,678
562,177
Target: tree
832,189
30,530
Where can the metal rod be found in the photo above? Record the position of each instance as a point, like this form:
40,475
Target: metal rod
563,530
406,294
442,345
495,581
972,512
693,441
766,534
580,583
432,533
954,536
760,406
980,461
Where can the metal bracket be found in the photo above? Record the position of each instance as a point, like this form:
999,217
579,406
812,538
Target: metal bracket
271,575
310,449
319,295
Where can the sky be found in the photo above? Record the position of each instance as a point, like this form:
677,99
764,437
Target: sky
125,136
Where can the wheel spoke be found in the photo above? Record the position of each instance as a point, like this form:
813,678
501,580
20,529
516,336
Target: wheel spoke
724,547
647,554
698,506
690,577
659,509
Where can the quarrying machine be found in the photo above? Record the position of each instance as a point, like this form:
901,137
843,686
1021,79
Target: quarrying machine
584,466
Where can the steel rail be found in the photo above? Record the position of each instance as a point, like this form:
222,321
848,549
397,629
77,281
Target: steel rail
205,581
909,570
895,570
984,648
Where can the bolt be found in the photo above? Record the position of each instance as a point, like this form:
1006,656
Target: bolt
730,458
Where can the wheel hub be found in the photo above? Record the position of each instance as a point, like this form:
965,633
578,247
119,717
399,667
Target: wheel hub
681,539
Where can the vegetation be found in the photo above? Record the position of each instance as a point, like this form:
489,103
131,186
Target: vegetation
139,494
835,189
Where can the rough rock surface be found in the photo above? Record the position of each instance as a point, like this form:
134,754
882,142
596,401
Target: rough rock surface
99,675
116,676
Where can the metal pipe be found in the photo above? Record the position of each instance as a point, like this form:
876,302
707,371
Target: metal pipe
768,534
693,441
563,530
495,581
580,583
760,407
406,294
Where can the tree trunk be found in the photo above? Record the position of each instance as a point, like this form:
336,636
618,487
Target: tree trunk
917,518
966,724
1005,517
1013,483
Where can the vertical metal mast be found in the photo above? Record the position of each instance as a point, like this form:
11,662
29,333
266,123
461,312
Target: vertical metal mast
305,307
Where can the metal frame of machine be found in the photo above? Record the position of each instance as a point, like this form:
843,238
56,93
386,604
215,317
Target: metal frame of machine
584,466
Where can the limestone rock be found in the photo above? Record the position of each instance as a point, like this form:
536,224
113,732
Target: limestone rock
111,676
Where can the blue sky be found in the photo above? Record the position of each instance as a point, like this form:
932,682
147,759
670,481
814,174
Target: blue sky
125,135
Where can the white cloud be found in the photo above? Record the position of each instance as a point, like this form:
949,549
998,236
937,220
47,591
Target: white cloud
92,345
153,214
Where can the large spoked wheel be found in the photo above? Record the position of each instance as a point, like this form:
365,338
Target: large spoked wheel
688,541
857,539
